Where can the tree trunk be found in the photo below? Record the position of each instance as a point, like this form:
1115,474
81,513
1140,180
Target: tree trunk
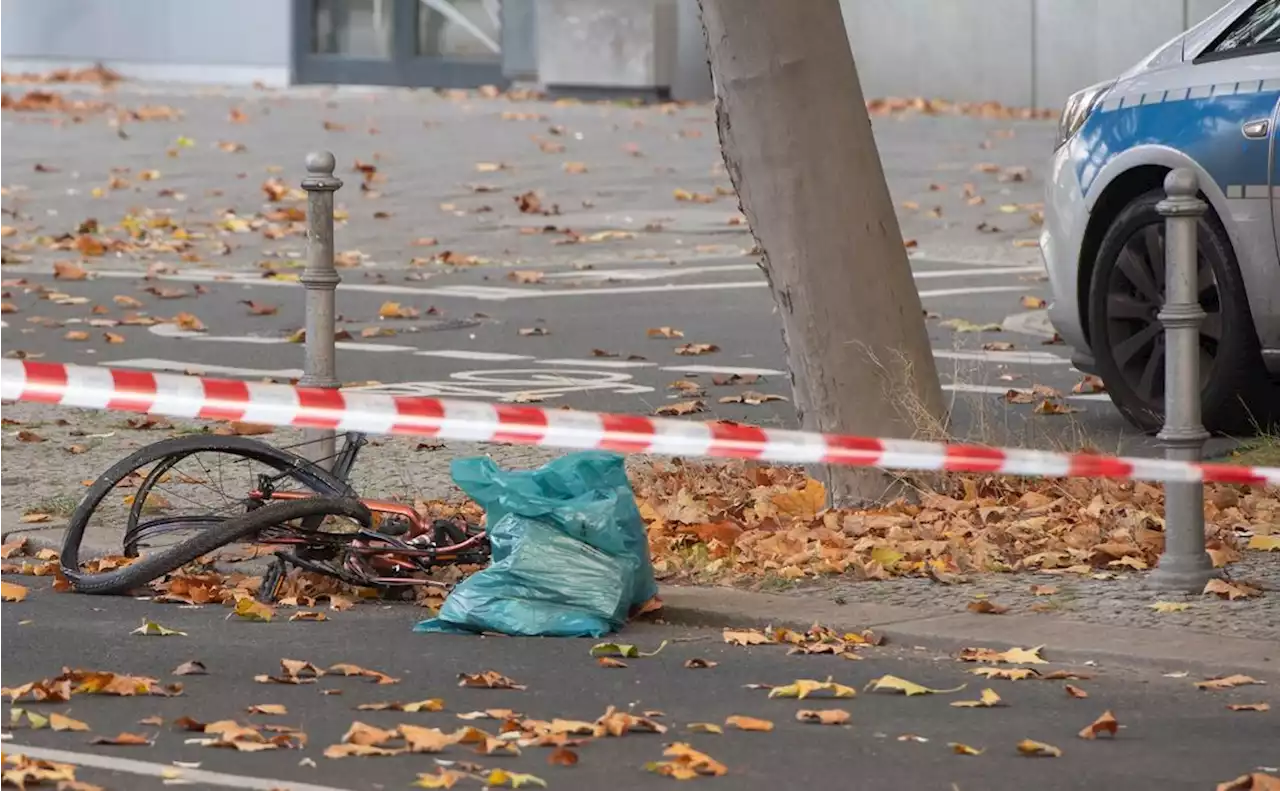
797,143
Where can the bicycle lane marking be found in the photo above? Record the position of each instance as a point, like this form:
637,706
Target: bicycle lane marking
164,771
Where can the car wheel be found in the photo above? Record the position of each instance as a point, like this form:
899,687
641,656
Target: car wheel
1126,293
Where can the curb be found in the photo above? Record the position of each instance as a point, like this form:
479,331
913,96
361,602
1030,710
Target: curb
1063,641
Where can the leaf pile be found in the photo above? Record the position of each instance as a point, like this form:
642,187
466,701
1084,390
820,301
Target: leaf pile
746,520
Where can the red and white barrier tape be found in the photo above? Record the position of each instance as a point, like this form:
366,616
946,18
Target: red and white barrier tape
286,405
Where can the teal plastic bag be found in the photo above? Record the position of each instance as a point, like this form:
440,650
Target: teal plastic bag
570,552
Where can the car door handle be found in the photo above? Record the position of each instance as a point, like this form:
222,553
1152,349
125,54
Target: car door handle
1256,130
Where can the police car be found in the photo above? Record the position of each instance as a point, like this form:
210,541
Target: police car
1209,101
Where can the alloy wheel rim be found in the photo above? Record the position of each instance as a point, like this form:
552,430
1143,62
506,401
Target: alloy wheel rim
1135,294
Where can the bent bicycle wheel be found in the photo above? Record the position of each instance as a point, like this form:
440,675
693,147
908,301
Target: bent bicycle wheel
164,494
274,515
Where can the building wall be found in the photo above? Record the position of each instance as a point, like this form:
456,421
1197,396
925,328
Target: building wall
224,41
1019,52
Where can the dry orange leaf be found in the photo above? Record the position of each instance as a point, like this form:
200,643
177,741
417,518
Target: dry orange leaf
681,408
1231,590
1036,749
12,592
823,716
804,504
664,332
1249,706
1106,723
1228,682
68,270
608,661
124,740
744,723
987,607
562,756
1256,781
489,679
268,708
1075,691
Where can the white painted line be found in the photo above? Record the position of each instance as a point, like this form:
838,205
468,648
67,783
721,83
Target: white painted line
167,771
167,330
724,369
467,354
598,363
501,294
654,273
153,364
993,390
1003,358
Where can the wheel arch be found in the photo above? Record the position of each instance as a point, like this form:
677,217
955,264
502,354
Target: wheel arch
1123,178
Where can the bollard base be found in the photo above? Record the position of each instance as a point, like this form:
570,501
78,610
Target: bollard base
1184,574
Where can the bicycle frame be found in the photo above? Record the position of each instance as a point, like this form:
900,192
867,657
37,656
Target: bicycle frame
394,553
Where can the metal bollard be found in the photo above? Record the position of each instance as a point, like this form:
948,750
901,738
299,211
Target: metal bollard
1184,566
321,280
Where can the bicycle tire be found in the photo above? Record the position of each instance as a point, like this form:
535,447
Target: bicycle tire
136,575
316,478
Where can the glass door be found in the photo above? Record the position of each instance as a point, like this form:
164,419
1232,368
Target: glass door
420,43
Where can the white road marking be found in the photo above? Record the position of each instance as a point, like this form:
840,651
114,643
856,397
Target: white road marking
468,354
724,369
147,769
599,363
1003,358
499,293
152,364
653,273
515,385
169,330
994,390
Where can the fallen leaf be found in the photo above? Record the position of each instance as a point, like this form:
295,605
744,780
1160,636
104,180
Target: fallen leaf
365,750
987,607
804,687
681,408
1008,673
1255,781
193,668
308,615
1043,590
964,325
1089,384
1169,606
909,688
12,592
1034,303
694,349
394,310
418,739
664,332
68,270
189,322
705,727
530,331
443,778
562,756
252,610
964,749
489,679
1013,656
499,778
76,335
61,722
1228,682
268,708
526,276
823,716
1075,691
608,661
25,435
698,663
124,740
1265,543
1230,590
1106,723
988,699
430,704
686,764
1038,749
743,723
153,629
1232,706
260,308
574,167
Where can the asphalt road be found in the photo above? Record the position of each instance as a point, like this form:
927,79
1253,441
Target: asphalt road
967,190
1172,737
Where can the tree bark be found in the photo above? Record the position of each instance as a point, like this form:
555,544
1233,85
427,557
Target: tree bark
797,142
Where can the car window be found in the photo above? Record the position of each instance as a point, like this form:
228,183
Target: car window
1258,28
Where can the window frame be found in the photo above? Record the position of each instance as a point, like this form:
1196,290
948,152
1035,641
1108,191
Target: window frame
1211,53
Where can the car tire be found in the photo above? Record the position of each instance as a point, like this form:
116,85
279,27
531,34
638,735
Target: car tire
1235,390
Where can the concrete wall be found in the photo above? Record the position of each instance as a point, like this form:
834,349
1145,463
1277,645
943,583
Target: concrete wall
225,41
1019,52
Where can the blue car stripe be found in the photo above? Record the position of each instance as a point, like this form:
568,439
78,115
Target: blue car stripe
1203,122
